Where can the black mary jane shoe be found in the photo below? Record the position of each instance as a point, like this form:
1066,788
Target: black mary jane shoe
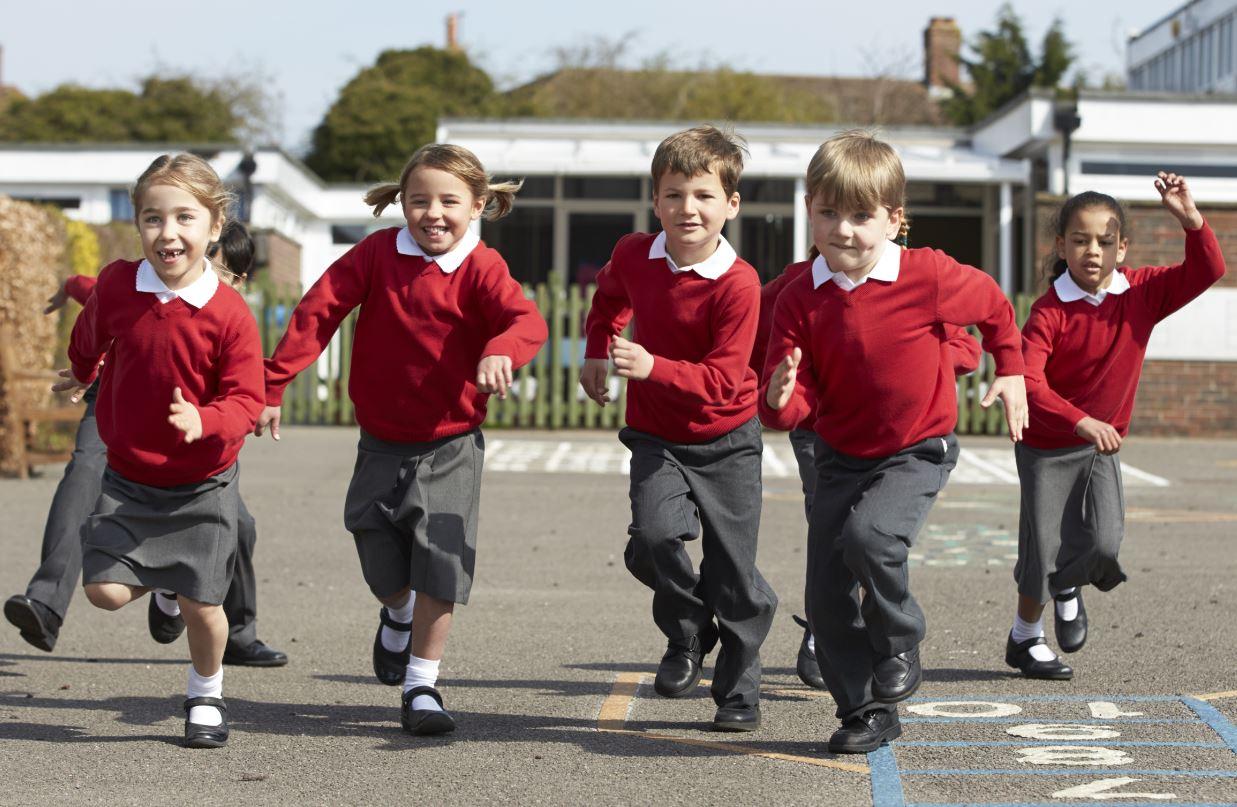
200,736
897,677
164,629
737,718
424,722
866,733
1018,655
390,666
256,654
806,665
38,624
680,667
1071,633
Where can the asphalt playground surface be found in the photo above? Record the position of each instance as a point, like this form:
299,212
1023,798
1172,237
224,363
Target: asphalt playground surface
549,668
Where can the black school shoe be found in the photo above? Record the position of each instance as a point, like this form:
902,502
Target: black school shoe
390,666
897,677
38,624
164,629
806,665
1018,655
200,736
1072,633
424,722
257,654
679,670
737,718
866,733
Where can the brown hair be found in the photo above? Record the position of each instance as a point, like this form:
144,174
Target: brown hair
702,150
855,171
190,173
1055,266
456,160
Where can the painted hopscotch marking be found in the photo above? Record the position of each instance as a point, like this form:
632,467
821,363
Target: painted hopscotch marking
976,466
1065,747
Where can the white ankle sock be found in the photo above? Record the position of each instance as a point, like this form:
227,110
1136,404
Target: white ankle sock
205,686
1068,610
422,672
811,643
393,640
1024,630
166,600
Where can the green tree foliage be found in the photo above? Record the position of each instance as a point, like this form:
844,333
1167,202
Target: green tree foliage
1003,68
389,110
175,109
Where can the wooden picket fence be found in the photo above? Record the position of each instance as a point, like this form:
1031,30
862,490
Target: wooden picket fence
546,393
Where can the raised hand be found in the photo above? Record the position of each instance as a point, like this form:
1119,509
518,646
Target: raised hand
782,380
185,416
57,300
1012,390
494,375
1176,197
630,360
1103,436
593,380
70,385
269,417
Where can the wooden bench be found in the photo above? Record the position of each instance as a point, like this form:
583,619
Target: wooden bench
21,422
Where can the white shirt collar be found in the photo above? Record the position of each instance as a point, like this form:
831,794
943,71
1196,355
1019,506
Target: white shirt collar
196,294
448,261
887,267
1068,291
711,267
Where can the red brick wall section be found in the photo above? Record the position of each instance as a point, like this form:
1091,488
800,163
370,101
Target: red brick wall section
283,260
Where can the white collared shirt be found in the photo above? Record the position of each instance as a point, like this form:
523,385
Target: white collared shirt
448,261
887,267
711,267
1068,290
196,294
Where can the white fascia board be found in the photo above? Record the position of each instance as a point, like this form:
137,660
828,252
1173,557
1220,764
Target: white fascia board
1158,120
1024,124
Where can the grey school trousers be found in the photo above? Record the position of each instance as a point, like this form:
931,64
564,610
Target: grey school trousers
864,519
709,490
60,563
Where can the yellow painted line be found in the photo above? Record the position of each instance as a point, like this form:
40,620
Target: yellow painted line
1218,696
1179,516
613,719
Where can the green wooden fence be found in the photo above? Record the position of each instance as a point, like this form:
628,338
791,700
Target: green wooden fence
546,393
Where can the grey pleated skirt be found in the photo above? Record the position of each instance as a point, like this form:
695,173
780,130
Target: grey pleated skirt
180,539
1072,520
412,511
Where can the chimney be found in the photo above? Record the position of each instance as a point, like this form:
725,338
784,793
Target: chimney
453,24
942,44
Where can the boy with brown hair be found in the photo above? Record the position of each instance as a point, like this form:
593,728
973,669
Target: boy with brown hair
691,414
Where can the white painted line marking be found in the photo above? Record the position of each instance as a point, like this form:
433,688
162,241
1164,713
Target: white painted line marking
1158,481
992,468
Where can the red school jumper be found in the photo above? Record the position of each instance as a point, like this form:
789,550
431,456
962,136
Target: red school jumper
874,358
213,354
1084,359
700,332
419,336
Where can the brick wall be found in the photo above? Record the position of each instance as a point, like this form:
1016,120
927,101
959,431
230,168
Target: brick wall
1174,397
280,260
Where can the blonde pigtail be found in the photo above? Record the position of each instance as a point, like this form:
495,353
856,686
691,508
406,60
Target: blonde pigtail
380,197
500,198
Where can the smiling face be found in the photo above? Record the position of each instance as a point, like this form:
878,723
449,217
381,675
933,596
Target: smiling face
176,230
692,211
851,240
1092,247
438,207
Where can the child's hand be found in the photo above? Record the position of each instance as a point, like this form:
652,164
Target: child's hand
57,300
1105,438
630,360
70,385
782,380
185,416
1175,195
269,417
593,380
1012,390
494,375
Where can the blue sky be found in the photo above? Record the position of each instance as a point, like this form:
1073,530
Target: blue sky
306,52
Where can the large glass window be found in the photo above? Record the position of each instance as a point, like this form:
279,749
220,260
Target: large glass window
591,238
122,204
779,191
525,239
601,187
767,241
537,187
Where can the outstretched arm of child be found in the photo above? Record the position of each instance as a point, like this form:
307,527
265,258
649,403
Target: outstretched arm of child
782,381
1103,436
70,385
185,416
57,300
593,380
269,417
1176,197
1012,390
494,375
